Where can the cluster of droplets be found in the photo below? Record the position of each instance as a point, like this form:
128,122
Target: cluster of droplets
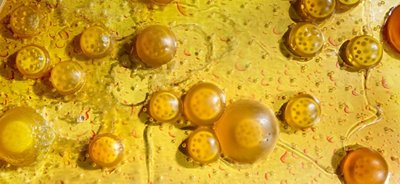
154,46
241,132
305,40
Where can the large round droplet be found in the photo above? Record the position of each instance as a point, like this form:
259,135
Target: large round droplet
22,133
246,131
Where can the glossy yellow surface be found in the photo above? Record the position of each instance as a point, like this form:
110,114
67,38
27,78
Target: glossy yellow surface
302,111
203,146
316,9
156,45
165,106
204,103
305,40
247,131
20,141
67,77
106,150
363,165
96,42
27,21
33,61
234,44
363,52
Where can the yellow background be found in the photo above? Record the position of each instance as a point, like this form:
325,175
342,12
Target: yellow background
233,43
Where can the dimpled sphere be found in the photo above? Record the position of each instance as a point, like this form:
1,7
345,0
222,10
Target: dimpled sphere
165,106
203,146
33,61
19,136
161,2
305,40
96,42
67,77
246,131
204,103
156,45
302,111
364,166
316,9
106,150
25,21
363,52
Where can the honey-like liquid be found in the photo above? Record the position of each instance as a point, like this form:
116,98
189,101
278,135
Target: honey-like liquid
232,44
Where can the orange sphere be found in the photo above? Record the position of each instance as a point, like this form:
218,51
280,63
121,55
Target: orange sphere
363,166
156,45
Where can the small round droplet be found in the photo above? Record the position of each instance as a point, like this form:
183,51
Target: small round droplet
302,111
362,52
203,146
33,61
156,45
67,77
315,10
106,150
204,103
96,42
165,106
305,40
27,21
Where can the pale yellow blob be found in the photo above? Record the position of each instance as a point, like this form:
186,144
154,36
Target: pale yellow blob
21,136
